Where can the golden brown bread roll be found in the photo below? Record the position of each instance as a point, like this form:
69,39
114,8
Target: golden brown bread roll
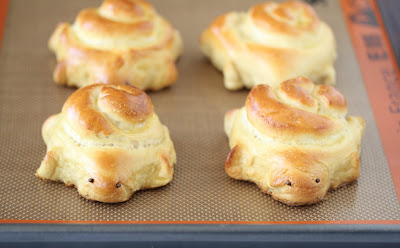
121,42
108,143
295,141
269,44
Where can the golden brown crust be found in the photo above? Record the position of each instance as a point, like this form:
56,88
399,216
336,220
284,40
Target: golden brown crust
121,42
127,9
285,40
291,17
275,118
296,89
126,102
231,167
109,143
294,142
332,97
131,104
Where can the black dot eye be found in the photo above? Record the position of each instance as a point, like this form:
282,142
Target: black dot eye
317,180
127,83
91,180
289,183
118,185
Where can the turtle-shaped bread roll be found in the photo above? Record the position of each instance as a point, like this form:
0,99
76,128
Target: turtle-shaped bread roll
121,42
271,43
295,141
108,143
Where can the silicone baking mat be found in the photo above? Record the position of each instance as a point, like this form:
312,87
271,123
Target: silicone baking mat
193,109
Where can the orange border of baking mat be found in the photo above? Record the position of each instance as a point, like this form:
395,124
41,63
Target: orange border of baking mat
376,74
3,15
380,73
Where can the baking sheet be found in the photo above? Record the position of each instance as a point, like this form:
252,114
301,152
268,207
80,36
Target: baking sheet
193,109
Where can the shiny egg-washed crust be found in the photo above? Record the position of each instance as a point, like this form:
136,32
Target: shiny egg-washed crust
121,42
108,143
295,141
269,44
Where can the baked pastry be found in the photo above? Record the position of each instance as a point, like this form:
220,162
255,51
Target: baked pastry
121,42
294,141
269,44
108,143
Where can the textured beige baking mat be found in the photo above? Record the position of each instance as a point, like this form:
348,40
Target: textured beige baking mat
193,109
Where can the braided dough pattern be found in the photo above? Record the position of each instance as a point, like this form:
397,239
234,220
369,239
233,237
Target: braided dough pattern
269,44
121,42
108,143
295,141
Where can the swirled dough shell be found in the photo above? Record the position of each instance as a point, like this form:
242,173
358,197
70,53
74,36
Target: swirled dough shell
295,141
108,143
121,42
269,44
